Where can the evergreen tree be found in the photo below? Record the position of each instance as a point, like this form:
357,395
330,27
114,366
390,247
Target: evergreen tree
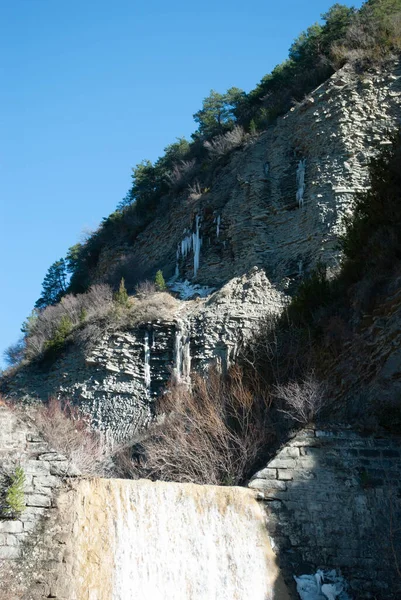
54,284
15,497
121,297
159,281
217,114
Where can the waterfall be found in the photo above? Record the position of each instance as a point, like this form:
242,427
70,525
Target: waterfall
301,182
182,353
147,361
142,540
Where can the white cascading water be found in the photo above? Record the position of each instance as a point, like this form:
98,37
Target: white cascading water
170,541
301,182
147,361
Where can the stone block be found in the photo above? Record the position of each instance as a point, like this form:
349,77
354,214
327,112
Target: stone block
285,474
50,456
9,552
38,500
50,481
266,474
11,527
36,467
266,485
64,469
282,463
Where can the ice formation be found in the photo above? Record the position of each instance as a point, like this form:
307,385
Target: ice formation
324,585
266,169
190,241
187,290
196,243
301,182
182,353
218,221
147,361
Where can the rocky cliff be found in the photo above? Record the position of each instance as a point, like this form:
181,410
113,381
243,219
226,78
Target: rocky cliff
275,210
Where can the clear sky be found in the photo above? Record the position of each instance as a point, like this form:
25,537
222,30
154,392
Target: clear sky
89,89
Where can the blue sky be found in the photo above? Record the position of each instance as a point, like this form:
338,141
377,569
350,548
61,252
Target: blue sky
89,89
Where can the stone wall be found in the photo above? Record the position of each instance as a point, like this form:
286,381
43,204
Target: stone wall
31,546
333,500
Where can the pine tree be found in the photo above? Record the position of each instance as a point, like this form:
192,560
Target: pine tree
54,284
15,496
121,297
159,281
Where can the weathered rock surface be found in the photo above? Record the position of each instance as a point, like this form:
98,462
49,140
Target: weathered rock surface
109,380
255,195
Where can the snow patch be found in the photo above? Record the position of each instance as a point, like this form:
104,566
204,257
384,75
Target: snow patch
187,290
324,585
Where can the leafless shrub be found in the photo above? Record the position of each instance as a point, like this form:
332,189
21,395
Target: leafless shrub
211,433
181,173
97,302
145,288
15,353
195,190
222,144
302,401
68,431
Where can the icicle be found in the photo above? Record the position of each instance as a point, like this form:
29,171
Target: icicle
182,354
300,268
177,263
301,182
196,243
147,361
218,226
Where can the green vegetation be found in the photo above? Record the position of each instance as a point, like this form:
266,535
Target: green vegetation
121,297
15,496
54,285
57,341
159,282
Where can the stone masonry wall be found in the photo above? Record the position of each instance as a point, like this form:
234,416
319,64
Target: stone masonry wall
31,546
333,500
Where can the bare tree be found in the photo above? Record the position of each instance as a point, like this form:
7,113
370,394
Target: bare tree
209,434
302,401
222,144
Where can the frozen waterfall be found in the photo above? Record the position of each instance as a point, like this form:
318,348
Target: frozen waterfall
218,221
196,242
182,353
190,242
147,361
301,182
138,540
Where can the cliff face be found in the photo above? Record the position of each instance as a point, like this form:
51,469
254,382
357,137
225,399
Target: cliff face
252,214
278,205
